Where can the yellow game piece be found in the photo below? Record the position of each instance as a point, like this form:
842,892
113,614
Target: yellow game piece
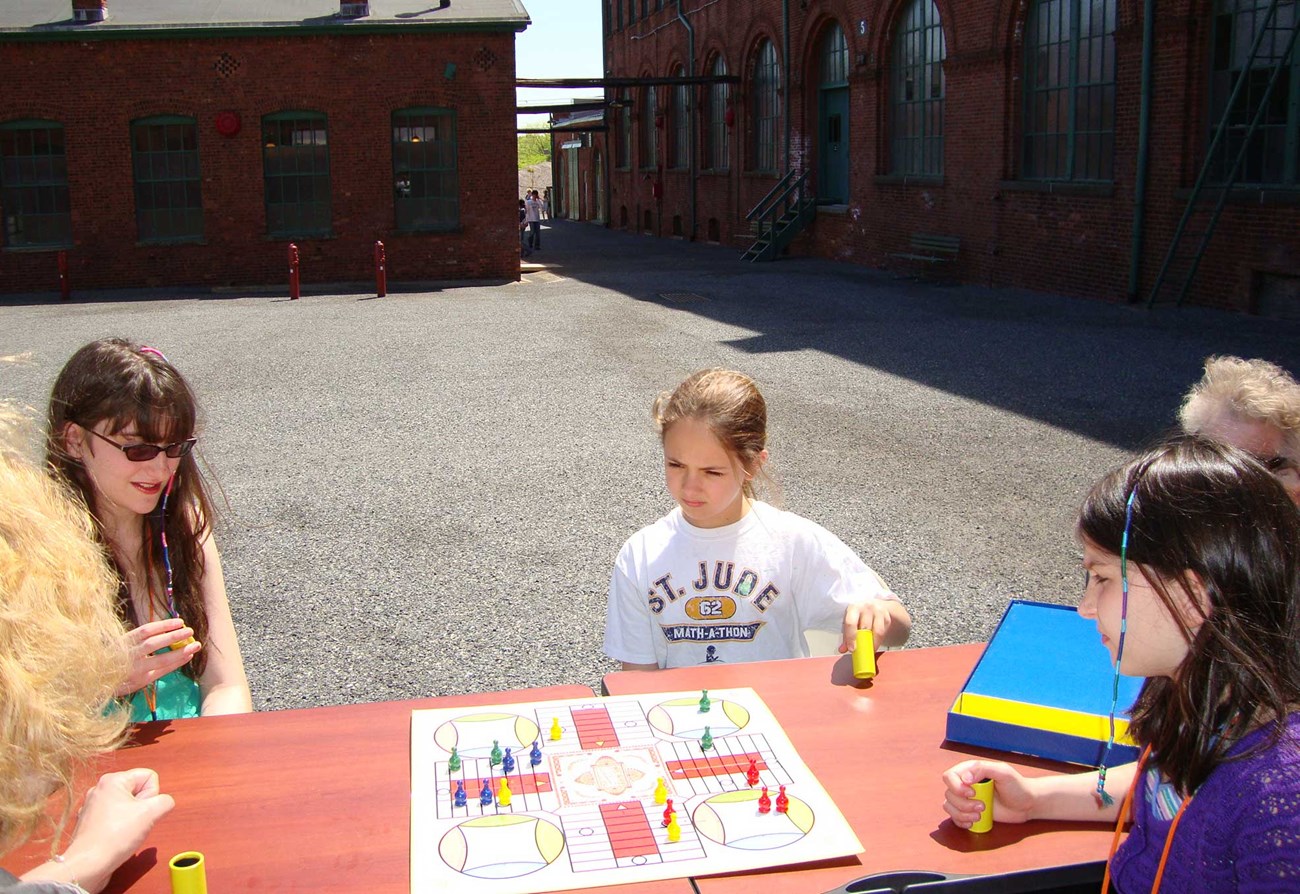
556,732
984,793
503,793
674,830
188,873
864,656
661,792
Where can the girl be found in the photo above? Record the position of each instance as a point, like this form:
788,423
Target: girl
63,653
121,432
1192,555
724,576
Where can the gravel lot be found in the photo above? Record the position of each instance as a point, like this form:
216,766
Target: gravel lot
426,491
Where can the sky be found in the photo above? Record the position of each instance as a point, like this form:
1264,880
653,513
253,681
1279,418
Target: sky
564,41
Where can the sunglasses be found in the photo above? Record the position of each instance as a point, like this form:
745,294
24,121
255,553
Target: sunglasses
142,453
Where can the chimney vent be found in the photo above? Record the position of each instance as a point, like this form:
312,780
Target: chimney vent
354,9
87,11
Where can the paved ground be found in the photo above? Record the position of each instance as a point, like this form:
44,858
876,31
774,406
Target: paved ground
426,492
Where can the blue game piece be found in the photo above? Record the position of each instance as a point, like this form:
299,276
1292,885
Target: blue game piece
508,762
485,794
461,799
535,756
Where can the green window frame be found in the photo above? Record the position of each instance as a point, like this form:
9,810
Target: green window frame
296,173
34,201
916,95
168,186
680,157
631,12
1069,123
765,108
649,134
426,187
623,145
717,151
1273,155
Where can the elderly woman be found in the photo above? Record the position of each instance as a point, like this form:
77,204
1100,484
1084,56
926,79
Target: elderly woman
1253,405
62,656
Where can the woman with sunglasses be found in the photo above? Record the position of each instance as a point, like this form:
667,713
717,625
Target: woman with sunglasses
121,433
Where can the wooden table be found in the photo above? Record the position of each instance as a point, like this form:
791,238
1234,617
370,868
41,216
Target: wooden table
878,748
282,801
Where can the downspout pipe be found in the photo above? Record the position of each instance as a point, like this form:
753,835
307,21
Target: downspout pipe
690,118
1144,149
785,77
610,134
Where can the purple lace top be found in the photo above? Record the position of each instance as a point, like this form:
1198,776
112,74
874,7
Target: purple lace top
1241,833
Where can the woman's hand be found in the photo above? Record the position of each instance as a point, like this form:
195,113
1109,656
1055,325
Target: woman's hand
1013,794
145,640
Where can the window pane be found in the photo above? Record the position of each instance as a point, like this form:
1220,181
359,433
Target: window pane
34,185
425,181
917,92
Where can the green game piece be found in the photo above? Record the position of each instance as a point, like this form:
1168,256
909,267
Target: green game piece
453,762
706,741
495,757
705,704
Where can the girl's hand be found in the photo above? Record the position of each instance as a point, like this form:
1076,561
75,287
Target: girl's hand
876,615
1013,794
112,825
145,640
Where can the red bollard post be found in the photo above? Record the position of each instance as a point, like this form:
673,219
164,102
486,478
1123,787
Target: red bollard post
381,270
294,290
65,286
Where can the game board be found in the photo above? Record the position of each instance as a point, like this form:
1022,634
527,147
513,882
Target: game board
586,814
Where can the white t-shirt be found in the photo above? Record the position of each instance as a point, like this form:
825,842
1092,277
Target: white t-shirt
533,209
682,595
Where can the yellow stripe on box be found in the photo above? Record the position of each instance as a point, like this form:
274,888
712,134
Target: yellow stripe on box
1040,717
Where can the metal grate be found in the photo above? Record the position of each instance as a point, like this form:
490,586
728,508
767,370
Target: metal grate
485,58
226,65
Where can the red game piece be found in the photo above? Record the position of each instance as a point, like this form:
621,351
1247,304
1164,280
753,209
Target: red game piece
751,775
668,812
764,802
782,802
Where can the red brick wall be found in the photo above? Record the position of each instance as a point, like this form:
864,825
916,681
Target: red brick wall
1072,240
96,88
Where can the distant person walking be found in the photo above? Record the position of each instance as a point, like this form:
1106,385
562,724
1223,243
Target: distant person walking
524,250
546,203
533,210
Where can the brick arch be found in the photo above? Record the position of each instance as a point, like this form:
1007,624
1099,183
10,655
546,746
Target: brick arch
893,14
811,40
1009,21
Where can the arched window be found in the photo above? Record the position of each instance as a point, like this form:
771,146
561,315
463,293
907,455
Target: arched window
916,92
1273,154
34,184
426,189
765,108
649,134
716,150
1069,126
165,160
296,173
680,149
834,58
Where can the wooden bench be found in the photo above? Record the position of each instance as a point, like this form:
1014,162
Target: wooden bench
927,249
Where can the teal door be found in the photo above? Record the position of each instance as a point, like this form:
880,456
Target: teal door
833,147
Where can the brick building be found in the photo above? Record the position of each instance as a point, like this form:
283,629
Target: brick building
1027,133
166,143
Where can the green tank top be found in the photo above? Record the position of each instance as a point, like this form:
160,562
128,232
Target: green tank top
178,696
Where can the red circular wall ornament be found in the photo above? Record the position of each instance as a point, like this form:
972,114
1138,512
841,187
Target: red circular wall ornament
227,123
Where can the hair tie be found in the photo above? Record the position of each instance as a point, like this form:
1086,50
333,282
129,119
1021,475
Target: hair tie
145,349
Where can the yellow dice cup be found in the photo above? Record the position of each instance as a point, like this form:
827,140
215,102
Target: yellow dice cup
984,791
188,873
864,656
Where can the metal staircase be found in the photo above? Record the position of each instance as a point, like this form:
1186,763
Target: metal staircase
1205,205
780,216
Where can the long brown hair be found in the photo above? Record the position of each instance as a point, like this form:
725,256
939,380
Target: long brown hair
119,381
1208,515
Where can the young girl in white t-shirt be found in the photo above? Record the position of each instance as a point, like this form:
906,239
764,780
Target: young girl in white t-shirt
725,576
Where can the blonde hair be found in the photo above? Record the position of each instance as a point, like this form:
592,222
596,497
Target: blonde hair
732,407
62,653
1252,390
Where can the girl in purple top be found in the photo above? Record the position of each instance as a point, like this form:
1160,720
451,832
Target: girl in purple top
1192,554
